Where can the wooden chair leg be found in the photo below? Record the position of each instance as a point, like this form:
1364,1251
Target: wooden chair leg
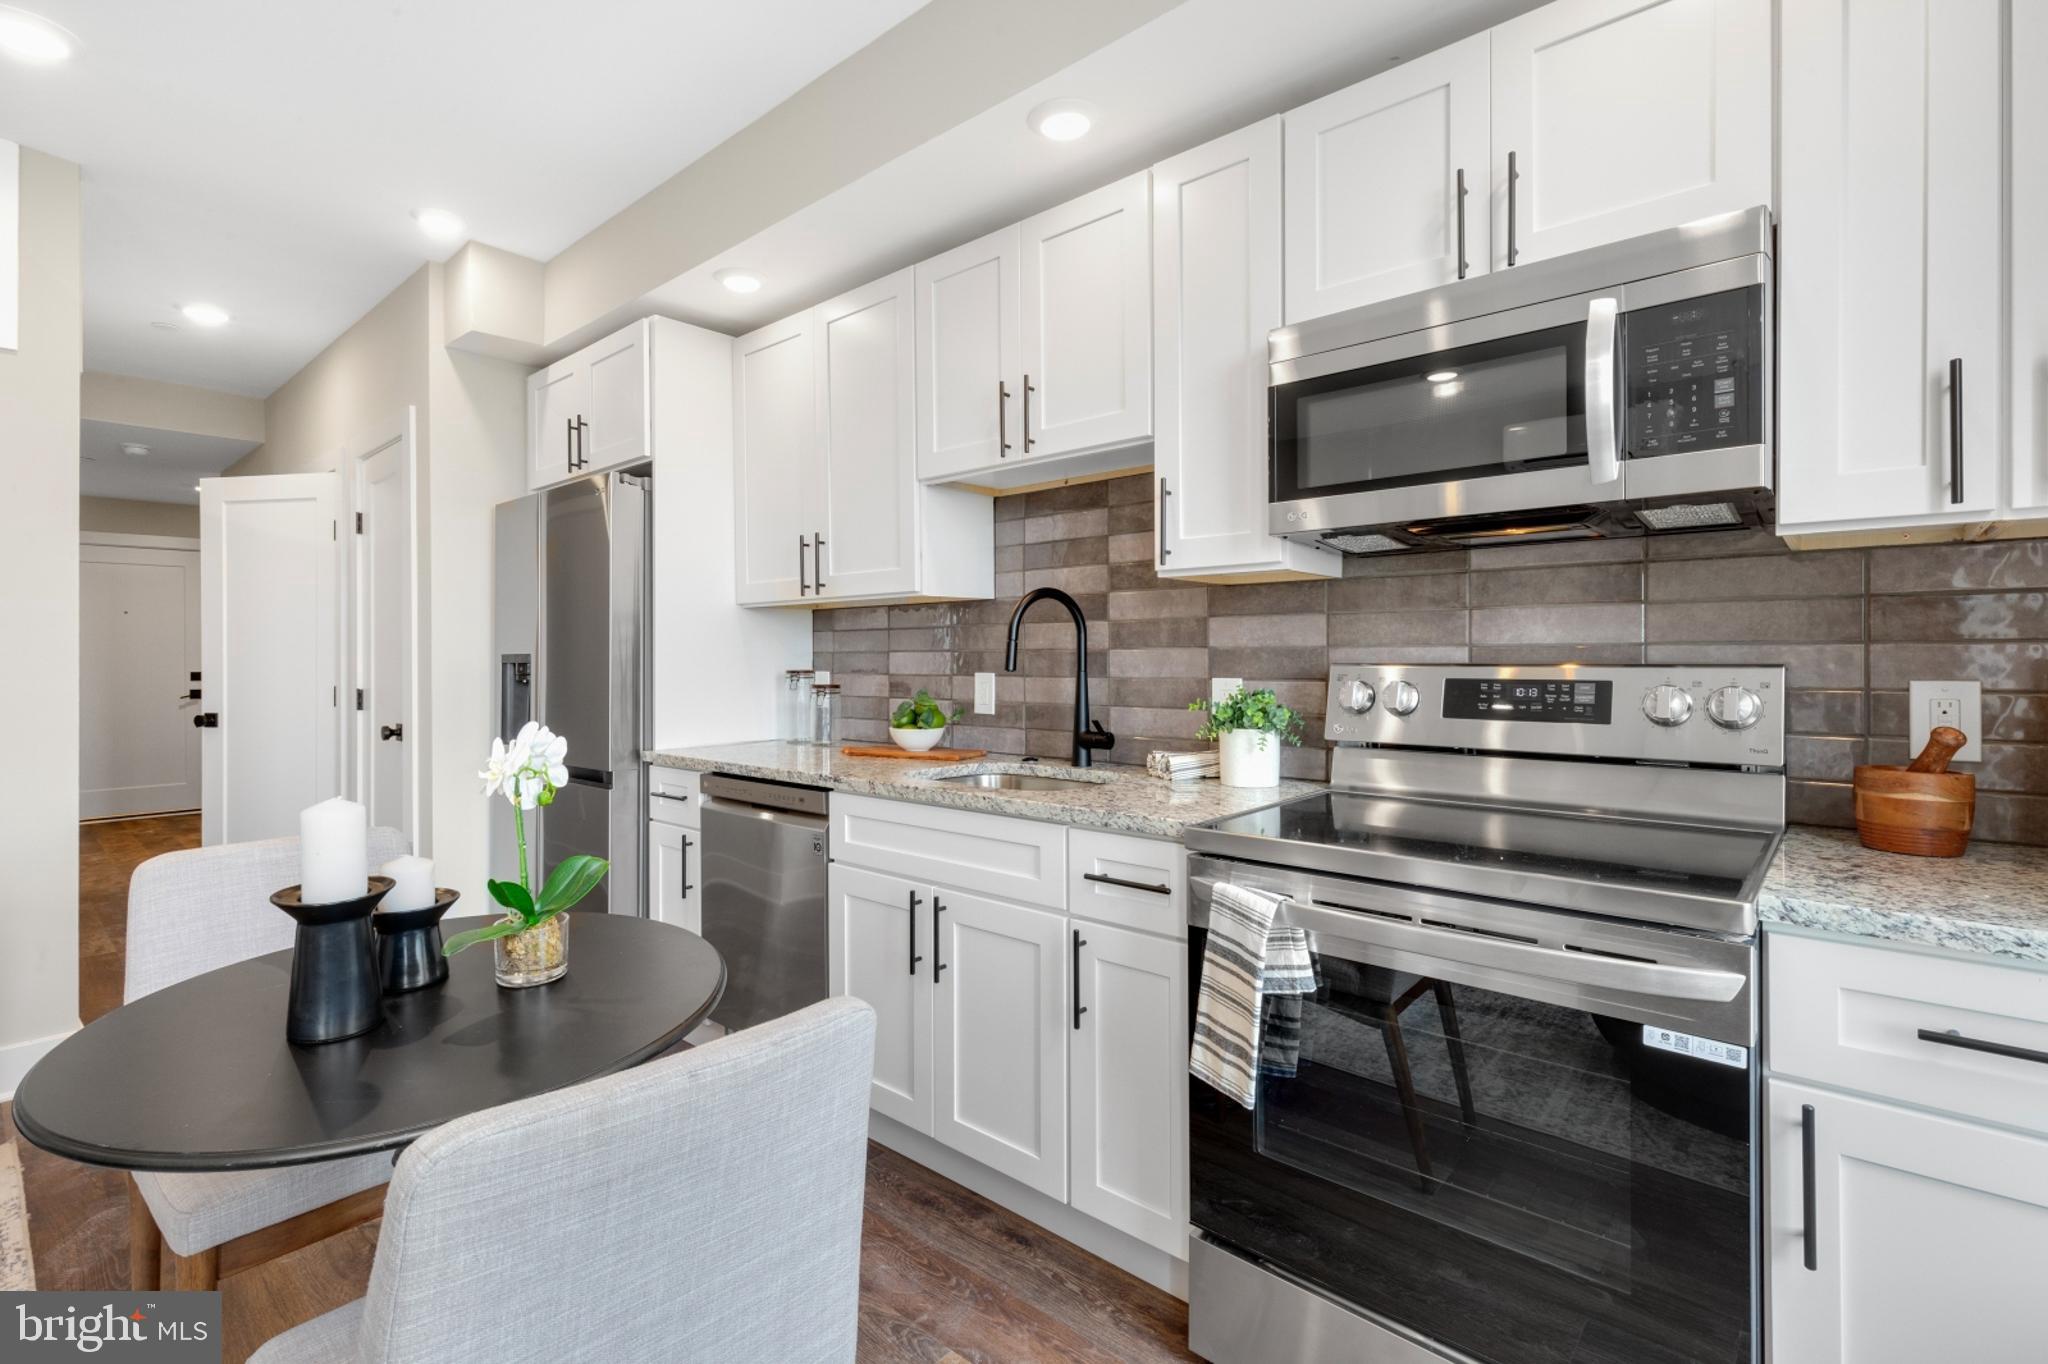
196,1273
145,1243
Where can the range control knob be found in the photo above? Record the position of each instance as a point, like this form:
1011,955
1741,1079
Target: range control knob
1734,707
1355,695
1402,698
1667,705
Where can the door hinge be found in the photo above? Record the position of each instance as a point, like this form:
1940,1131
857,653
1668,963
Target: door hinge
359,698
359,523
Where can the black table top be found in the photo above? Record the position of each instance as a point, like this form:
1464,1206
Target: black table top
199,1077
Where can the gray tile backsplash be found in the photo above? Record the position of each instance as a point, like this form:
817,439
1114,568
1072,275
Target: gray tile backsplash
1852,627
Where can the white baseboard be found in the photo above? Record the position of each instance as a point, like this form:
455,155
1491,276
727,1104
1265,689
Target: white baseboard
17,1057
1126,1252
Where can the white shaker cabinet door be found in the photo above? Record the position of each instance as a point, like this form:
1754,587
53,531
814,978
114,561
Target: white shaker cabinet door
1086,280
999,1037
555,398
775,449
1373,179
1215,296
1625,117
618,429
865,527
1889,264
879,950
969,357
673,863
1130,1093
1926,1240
2028,58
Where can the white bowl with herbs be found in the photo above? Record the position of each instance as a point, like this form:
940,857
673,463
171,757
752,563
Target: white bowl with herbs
920,723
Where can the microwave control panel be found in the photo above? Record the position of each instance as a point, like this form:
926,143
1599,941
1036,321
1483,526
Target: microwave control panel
1693,374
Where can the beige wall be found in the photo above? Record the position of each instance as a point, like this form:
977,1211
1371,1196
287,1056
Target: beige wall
39,605
129,401
126,516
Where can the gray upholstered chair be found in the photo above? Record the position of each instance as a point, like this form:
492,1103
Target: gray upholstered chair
190,912
705,1207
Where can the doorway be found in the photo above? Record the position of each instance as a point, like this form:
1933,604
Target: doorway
384,592
139,680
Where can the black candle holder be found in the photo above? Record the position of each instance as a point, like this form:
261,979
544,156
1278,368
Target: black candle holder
409,944
334,990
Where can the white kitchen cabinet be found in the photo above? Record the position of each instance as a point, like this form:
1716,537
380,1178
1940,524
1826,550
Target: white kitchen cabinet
969,356
1374,180
674,862
1085,277
879,945
1215,294
1624,117
1890,265
774,439
1926,1238
1019,859
863,498
2027,56
1128,1138
589,412
999,1037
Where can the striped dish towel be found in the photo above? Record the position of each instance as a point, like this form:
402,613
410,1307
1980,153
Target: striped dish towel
1254,971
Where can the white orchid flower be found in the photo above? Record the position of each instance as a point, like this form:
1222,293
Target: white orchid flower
529,768
498,770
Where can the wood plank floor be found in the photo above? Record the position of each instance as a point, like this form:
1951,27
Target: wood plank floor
946,1276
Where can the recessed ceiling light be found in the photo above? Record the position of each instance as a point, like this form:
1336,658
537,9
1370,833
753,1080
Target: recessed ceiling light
33,39
1062,120
205,314
135,448
739,281
1441,376
438,223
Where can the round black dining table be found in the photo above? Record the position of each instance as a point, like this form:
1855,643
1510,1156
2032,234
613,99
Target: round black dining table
199,1076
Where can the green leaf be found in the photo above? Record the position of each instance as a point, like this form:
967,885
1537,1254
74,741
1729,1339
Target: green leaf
474,936
575,878
921,712
513,896
1259,711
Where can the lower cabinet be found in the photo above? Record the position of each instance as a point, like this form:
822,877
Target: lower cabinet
672,871
1128,1095
880,951
1926,1239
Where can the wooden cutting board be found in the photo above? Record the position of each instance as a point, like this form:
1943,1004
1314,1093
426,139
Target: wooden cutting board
932,755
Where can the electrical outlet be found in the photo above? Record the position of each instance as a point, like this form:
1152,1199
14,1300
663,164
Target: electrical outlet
1959,705
1220,687
984,693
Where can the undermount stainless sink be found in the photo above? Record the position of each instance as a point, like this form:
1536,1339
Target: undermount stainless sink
1016,781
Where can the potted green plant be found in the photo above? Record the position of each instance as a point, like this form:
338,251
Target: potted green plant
1249,727
919,723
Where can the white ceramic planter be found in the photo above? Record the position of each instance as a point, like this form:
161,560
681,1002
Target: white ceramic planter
1251,757
916,740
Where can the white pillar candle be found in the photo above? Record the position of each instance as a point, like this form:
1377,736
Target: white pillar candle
334,853
414,878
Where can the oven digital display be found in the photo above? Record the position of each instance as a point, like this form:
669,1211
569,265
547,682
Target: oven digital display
1559,700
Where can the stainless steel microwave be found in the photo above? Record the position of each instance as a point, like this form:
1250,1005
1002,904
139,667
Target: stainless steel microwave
1622,390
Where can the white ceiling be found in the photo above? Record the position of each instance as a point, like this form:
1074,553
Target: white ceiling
266,155
175,462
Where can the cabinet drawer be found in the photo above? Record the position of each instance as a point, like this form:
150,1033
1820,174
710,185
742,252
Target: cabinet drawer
1851,1015
1132,882
1017,859
675,796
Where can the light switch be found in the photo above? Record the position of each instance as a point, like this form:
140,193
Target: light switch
1221,687
1959,705
984,693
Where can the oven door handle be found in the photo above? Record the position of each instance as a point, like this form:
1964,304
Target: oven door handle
1603,448
1334,928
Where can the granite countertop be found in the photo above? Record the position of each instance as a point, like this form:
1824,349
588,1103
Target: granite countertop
1128,799
1992,900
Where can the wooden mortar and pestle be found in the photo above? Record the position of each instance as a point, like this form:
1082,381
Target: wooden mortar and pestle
1922,808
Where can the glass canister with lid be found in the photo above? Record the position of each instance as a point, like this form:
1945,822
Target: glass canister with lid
824,712
793,707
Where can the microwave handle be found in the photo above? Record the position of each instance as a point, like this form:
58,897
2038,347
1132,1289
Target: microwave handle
1603,451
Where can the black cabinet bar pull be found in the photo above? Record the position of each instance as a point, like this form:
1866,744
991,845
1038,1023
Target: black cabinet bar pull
1806,1193
803,582
1101,878
1463,264
1079,1008
1955,430
1513,175
1002,420
914,957
687,887
1027,414
938,908
1956,1039
818,562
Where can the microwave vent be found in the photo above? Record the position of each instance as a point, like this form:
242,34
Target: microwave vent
1690,516
1363,543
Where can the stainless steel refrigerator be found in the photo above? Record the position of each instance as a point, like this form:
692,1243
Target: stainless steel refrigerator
572,640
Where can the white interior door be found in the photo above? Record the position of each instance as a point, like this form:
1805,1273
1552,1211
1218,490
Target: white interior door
866,521
384,774
138,650
270,615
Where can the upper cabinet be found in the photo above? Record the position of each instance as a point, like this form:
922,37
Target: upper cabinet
829,510
2028,204
1387,184
1891,266
1215,295
969,356
1619,118
589,412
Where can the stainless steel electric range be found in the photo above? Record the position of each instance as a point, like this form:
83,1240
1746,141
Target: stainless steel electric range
1520,1127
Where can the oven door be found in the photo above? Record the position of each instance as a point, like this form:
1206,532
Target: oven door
1511,412
1512,1135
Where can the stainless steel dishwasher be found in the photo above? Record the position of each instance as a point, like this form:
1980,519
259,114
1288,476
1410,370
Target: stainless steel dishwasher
764,895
